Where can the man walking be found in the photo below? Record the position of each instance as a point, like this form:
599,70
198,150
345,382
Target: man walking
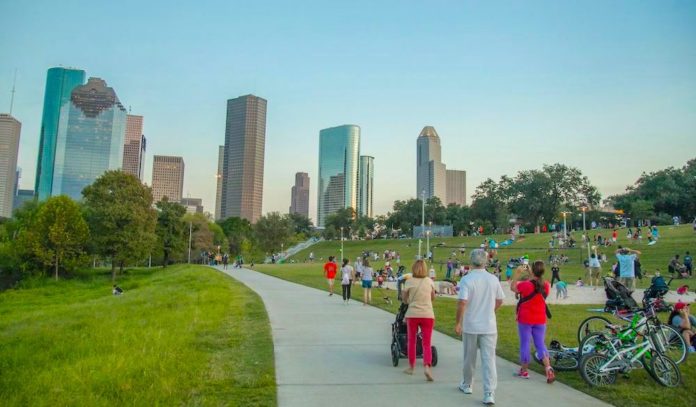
627,273
480,296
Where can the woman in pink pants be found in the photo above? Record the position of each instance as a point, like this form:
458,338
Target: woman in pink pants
419,293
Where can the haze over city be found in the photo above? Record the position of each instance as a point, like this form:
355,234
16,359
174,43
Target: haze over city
508,86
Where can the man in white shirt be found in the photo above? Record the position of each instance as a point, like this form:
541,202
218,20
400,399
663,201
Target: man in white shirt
480,296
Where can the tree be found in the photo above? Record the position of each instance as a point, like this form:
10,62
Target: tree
489,207
170,228
120,217
239,233
301,224
58,234
272,231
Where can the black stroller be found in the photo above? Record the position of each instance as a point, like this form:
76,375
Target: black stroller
618,296
655,294
399,344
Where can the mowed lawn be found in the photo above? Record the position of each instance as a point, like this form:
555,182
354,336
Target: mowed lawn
186,335
638,390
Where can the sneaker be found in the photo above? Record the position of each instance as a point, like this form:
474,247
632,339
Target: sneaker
522,374
692,349
465,388
488,398
550,375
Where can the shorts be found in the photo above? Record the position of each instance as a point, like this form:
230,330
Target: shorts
330,281
367,284
595,272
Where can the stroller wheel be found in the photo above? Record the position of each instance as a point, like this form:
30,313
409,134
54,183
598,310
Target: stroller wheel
434,351
395,354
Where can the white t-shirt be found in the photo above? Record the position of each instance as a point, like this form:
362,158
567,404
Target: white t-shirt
346,274
367,273
594,262
480,289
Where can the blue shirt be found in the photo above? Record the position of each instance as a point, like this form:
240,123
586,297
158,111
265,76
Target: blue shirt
626,265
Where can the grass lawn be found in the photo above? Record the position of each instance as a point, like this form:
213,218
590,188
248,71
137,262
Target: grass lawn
187,335
639,390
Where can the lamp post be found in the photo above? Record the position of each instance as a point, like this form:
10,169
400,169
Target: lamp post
341,244
189,248
427,240
565,225
420,238
584,231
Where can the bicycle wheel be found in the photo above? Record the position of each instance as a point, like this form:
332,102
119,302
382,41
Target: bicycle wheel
673,342
590,325
595,342
666,372
590,370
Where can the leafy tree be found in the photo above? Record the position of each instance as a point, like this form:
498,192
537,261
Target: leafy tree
459,217
170,228
120,217
272,231
239,233
301,224
489,207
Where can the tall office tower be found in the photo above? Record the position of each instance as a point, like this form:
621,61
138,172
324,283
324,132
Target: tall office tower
9,148
339,151
167,178
60,82
134,146
430,171
456,187
242,171
366,174
90,140
192,205
218,177
299,195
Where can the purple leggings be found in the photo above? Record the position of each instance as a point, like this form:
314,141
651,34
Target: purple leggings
527,332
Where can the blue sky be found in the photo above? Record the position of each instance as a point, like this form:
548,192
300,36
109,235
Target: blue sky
609,87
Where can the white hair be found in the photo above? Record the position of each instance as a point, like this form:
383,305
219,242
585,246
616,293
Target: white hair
479,257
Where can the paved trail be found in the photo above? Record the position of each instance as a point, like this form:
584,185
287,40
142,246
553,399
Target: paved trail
331,354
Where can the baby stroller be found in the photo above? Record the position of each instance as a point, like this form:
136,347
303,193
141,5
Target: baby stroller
654,295
399,344
618,296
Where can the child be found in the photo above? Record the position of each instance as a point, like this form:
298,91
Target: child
117,290
579,283
561,288
380,280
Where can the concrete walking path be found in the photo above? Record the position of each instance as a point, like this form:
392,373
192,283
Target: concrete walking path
328,353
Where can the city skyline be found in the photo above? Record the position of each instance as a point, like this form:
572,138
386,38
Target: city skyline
10,134
552,83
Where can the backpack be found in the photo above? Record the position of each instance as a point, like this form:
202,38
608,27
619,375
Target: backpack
532,295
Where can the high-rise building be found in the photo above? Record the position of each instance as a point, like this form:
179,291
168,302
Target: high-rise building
60,82
192,205
134,146
456,187
23,196
242,172
90,138
167,178
339,151
299,195
9,149
430,171
366,174
218,177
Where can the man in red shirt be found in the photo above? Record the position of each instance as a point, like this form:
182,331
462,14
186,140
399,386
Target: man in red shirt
330,273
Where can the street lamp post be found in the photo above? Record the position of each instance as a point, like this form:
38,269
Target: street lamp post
565,225
341,244
420,238
584,231
427,240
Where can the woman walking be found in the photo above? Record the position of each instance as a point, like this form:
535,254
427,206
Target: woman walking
531,319
419,293
347,276
367,281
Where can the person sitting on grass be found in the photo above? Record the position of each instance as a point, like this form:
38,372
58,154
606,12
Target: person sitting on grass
116,290
579,283
682,320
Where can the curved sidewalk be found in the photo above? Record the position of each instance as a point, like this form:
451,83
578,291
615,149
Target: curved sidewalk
329,353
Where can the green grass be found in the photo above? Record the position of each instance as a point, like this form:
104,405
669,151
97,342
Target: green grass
639,390
186,335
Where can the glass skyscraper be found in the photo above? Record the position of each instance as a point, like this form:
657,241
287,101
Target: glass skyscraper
366,174
90,138
339,151
60,82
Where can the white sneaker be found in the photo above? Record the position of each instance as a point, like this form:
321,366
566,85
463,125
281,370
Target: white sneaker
465,388
488,399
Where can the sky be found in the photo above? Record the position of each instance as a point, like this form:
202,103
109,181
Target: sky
608,87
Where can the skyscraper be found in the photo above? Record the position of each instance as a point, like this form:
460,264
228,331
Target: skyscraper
339,150
456,187
167,178
218,177
366,175
90,138
299,195
242,172
430,171
60,82
134,146
9,148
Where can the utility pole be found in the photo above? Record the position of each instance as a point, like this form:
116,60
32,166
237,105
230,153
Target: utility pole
420,238
189,248
14,82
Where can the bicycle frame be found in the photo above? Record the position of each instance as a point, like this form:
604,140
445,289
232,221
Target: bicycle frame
642,347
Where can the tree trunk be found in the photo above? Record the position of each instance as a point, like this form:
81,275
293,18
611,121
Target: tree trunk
113,270
166,259
120,267
56,267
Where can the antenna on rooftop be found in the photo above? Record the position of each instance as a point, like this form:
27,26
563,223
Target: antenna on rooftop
129,109
14,82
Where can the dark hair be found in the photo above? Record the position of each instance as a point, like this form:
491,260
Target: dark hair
593,255
331,258
538,270
366,262
345,261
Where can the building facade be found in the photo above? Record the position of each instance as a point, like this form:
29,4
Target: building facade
431,173
299,195
23,196
192,205
134,146
218,178
167,178
339,151
243,161
90,138
60,82
456,187
10,129
366,174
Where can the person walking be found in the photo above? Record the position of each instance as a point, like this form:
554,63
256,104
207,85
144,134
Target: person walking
419,293
367,281
330,273
627,273
480,296
595,271
532,312
555,273
347,276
